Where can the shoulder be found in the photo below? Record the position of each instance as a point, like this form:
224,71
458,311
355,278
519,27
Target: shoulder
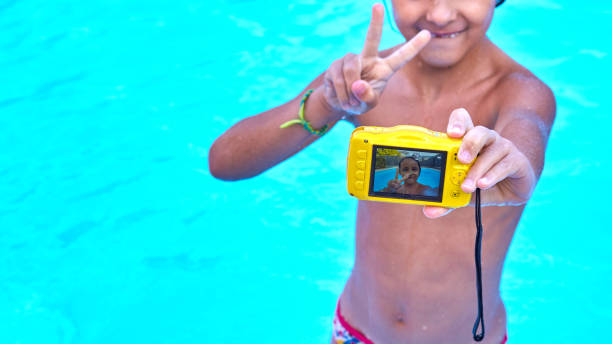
523,98
521,88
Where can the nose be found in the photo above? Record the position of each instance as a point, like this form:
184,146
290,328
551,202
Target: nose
441,13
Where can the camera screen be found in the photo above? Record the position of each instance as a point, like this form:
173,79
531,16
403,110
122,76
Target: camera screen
407,173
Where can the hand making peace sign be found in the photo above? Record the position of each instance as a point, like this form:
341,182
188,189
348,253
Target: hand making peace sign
397,182
354,83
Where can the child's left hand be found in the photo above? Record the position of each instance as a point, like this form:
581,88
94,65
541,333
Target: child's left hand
501,171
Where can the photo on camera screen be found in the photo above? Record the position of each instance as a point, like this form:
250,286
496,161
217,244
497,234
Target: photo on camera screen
408,173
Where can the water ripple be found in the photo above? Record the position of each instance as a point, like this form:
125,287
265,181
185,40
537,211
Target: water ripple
182,261
190,219
10,101
23,196
50,86
135,217
7,4
73,233
17,40
108,188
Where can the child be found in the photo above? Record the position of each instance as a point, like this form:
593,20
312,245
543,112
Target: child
413,278
409,169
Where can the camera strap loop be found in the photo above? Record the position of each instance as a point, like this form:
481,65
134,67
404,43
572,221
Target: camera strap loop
477,249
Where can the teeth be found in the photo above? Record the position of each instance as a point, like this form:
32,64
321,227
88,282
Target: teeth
449,35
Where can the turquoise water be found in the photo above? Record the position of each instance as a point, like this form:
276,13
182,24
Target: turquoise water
428,176
113,231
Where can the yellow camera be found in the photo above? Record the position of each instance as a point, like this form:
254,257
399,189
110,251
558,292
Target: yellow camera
406,164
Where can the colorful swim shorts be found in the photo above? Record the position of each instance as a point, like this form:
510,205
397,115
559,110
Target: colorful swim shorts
344,333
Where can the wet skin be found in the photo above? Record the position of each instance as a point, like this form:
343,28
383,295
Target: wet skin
414,278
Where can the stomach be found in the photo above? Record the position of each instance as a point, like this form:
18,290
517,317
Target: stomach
415,278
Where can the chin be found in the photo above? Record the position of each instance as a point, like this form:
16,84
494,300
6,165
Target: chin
439,58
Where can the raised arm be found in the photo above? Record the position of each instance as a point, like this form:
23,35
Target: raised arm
526,117
257,143
510,156
352,85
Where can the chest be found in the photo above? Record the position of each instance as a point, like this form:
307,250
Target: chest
401,104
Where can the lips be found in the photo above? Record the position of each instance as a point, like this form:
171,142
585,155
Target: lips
446,34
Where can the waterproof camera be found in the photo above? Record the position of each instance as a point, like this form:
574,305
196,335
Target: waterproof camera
406,164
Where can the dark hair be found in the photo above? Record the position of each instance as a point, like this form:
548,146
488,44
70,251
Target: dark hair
406,158
499,2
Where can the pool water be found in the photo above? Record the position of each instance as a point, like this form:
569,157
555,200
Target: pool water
112,230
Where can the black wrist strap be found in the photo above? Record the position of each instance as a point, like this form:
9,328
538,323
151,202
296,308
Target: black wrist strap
477,248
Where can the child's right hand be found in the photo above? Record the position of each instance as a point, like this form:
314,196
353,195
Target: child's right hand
396,183
354,83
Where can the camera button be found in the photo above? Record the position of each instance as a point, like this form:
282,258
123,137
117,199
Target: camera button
359,185
360,175
361,164
458,176
455,193
361,154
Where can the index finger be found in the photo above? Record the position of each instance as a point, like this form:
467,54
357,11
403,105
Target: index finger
370,48
409,50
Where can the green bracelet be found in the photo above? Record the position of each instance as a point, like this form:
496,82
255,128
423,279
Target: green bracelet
304,122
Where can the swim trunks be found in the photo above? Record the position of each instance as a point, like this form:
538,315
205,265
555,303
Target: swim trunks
344,333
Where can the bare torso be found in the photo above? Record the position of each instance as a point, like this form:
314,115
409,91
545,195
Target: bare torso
414,278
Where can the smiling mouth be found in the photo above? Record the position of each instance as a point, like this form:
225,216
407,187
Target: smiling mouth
446,34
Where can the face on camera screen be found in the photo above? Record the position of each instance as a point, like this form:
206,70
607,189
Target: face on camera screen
408,173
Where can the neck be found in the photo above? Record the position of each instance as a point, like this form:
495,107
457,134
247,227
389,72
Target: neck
431,81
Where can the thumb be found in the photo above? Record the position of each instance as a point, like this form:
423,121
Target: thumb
364,92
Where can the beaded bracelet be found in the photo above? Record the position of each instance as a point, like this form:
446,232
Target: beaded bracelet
304,122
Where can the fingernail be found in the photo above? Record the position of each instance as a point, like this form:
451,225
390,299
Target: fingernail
468,184
456,129
425,33
360,87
